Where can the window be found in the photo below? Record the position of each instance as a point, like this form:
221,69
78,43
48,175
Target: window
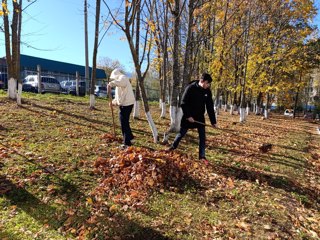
44,80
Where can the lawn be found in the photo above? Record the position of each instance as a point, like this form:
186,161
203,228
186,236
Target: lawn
62,176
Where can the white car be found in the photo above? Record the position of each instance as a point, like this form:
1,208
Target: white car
288,112
48,84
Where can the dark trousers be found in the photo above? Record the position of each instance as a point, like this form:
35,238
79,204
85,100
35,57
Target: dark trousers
202,140
124,116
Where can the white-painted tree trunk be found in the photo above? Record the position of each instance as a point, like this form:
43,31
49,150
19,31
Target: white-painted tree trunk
242,114
231,109
216,109
19,93
266,114
92,101
163,110
12,88
153,127
175,118
257,110
225,107
136,110
247,110
175,121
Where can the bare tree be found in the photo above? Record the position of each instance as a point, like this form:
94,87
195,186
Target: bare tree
175,110
109,64
13,47
140,46
161,34
95,51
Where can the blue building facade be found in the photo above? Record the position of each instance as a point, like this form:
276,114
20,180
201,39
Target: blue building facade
60,70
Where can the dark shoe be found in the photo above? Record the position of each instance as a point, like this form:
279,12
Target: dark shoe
132,139
123,146
204,160
170,149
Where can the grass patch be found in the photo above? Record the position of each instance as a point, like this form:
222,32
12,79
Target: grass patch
48,179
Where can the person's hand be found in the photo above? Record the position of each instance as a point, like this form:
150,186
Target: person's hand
109,87
190,119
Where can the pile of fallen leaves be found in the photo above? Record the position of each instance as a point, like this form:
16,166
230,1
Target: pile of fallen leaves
130,175
109,138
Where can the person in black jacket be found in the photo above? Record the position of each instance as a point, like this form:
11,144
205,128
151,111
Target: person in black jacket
196,99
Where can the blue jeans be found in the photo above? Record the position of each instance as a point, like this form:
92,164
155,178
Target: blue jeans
124,116
202,140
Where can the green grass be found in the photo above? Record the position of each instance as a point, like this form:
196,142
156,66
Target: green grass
47,151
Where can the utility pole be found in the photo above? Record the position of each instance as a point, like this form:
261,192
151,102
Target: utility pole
86,42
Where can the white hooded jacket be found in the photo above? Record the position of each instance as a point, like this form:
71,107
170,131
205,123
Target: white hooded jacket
123,93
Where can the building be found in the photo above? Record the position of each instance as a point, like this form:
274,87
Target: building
60,70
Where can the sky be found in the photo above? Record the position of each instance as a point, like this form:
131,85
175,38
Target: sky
54,29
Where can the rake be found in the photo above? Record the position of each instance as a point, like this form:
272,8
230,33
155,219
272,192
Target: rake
265,147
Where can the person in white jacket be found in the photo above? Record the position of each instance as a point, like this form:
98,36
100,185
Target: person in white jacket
124,98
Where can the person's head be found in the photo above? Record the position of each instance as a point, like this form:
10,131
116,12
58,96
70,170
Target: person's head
205,80
115,73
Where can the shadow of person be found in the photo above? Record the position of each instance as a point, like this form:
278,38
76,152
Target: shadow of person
28,203
275,181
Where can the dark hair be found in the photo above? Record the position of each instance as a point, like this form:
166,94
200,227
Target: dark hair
206,77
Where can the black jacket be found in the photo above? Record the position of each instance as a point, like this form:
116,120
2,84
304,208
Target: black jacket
195,100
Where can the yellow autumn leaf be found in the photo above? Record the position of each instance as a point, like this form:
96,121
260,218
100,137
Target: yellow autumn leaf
89,201
113,208
150,182
244,226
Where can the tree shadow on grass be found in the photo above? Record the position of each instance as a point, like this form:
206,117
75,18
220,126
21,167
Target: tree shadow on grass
31,205
70,114
280,182
76,116
238,135
59,218
67,120
56,218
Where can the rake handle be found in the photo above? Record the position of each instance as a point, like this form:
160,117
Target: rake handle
111,106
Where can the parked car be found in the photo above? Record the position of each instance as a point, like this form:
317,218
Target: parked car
289,112
65,85
100,91
82,89
69,87
3,80
48,84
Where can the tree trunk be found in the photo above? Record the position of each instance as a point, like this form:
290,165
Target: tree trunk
130,29
297,96
136,110
164,72
19,92
187,61
13,47
94,57
259,103
86,50
266,113
175,110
